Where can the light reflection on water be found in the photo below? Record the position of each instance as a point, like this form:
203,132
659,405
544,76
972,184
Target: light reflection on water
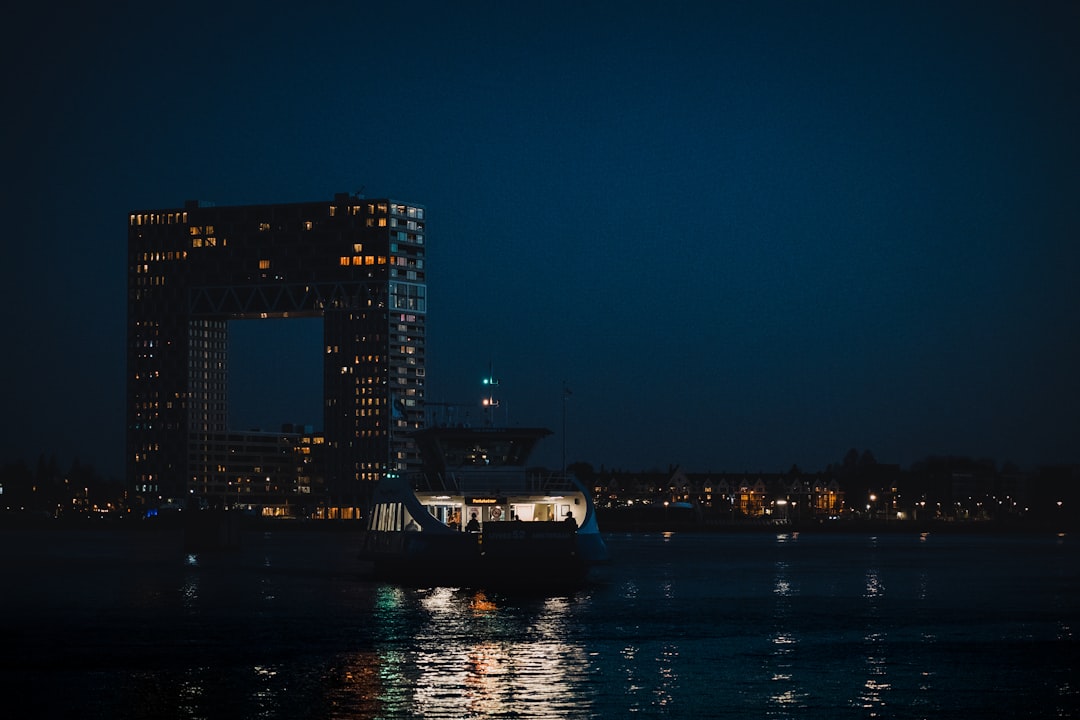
464,653
786,693
809,626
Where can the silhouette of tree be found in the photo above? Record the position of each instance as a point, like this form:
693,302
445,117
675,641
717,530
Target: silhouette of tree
850,464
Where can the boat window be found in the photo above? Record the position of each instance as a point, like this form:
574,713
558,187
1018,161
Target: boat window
388,517
446,513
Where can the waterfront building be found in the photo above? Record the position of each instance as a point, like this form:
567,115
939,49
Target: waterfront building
356,263
272,474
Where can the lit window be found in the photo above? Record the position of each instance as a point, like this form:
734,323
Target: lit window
264,264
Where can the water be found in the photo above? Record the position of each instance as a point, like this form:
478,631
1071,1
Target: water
124,624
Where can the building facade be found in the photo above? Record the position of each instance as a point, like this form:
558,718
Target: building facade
273,474
356,263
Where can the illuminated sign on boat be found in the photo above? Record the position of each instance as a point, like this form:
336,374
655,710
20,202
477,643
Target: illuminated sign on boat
487,500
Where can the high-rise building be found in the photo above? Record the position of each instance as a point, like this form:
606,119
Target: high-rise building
356,263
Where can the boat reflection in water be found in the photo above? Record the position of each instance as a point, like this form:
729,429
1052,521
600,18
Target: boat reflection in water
477,516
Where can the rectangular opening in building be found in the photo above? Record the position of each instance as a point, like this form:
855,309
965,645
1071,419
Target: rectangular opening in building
276,374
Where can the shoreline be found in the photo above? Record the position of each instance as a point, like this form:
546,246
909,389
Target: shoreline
609,522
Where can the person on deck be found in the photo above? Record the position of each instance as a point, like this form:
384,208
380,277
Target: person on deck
473,525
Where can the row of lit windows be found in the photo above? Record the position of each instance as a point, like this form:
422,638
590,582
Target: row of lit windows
151,447
357,359
197,242
366,380
408,210
346,261
352,210
200,230
368,433
173,218
166,255
201,357
410,225
176,218
266,227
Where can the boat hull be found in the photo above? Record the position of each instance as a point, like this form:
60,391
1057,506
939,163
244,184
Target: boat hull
507,555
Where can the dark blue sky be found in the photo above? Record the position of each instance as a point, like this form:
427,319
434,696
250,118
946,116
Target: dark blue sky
746,234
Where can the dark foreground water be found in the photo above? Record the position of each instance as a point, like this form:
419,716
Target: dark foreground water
124,624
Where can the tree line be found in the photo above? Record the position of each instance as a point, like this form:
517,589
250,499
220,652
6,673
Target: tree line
48,488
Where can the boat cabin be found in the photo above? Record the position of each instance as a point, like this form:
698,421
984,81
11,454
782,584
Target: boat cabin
482,474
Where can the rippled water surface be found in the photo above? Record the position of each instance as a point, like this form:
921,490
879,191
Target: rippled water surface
124,624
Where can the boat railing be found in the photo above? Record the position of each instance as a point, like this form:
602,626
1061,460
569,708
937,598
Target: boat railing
493,482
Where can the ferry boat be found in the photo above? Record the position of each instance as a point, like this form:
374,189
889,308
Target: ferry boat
478,516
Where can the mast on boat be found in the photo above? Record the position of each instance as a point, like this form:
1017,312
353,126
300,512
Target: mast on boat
490,402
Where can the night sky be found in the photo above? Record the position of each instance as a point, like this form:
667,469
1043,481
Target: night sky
745,234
